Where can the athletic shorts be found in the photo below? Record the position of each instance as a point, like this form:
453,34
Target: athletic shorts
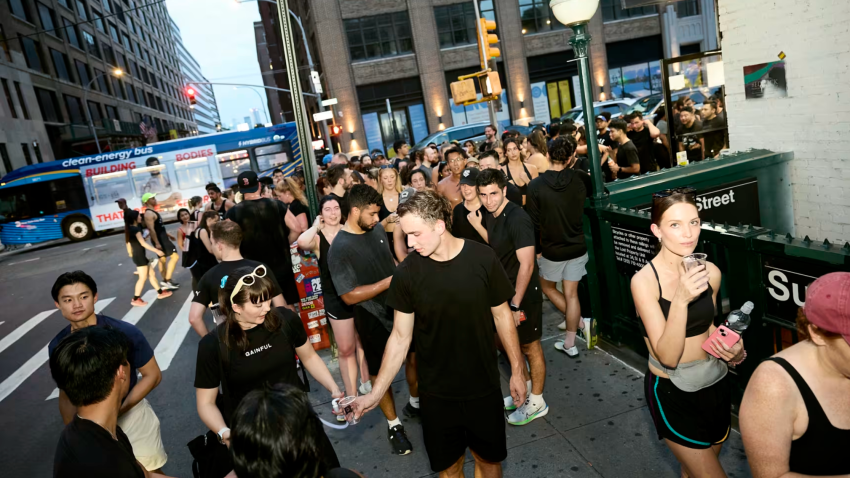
531,328
337,309
373,337
140,260
167,246
450,426
572,270
141,426
691,419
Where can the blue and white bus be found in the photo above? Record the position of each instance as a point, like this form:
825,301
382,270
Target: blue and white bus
75,197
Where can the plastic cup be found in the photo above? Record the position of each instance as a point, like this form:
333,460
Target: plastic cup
694,260
345,406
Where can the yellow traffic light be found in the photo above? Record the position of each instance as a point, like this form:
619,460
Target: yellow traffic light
484,28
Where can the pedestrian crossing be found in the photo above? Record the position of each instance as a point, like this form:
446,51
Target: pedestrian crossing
164,351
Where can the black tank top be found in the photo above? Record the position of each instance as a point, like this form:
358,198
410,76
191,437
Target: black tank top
821,451
700,311
221,212
522,189
328,289
157,224
205,258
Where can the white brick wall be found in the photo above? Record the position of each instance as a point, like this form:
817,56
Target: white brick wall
814,120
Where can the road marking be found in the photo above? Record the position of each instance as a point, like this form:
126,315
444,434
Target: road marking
21,262
132,317
36,361
170,343
23,329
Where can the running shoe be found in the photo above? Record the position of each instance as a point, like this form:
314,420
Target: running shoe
398,439
164,294
365,387
528,412
167,284
509,404
138,302
571,352
410,411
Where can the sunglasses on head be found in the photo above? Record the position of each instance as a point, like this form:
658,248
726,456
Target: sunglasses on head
247,280
387,166
669,192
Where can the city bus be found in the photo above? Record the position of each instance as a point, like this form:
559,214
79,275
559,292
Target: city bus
75,197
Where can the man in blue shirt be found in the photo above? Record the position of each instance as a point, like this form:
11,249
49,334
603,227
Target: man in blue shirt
75,294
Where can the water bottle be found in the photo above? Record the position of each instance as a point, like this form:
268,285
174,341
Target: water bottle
739,320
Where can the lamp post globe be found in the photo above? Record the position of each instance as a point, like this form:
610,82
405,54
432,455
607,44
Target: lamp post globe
573,12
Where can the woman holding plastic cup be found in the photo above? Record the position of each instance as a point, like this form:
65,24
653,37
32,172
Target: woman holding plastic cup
254,346
686,388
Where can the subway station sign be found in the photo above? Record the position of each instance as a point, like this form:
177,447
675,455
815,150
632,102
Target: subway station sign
732,203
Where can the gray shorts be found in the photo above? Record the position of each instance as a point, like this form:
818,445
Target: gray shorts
571,270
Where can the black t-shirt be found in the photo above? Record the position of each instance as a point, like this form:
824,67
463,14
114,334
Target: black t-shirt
514,195
269,358
604,139
298,208
643,142
510,231
688,141
87,449
135,245
206,293
627,155
461,226
453,323
714,140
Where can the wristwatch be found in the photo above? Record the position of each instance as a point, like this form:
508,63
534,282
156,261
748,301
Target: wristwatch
514,308
221,434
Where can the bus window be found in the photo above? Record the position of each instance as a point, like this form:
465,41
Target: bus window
194,173
231,164
14,204
152,179
271,157
106,188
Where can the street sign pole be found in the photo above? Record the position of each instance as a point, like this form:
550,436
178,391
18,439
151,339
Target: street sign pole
483,38
305,140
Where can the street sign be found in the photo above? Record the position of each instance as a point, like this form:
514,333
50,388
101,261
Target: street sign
323,116
463,91
317,83
329,102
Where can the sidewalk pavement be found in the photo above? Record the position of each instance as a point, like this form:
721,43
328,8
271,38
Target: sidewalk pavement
598,425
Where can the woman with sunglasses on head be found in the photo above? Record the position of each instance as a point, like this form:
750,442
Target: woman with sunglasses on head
290,194
318,239
254,346
686,388
518,172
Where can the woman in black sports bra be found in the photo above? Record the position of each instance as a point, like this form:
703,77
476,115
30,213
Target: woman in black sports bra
522,173
795,416
687,390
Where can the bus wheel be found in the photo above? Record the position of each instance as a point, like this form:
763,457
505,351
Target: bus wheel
78,228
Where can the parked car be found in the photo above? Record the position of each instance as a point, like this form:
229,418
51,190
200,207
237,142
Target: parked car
651,104
474,131
615,107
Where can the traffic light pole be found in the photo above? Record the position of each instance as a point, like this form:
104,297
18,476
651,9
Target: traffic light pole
482,39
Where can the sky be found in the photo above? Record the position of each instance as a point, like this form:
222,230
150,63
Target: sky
220,35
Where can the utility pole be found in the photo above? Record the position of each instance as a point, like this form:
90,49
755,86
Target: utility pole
305,140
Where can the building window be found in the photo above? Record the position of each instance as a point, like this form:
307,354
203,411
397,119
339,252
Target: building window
111,112
71,32
118,88
23,103
122,62
9,97
141,96
5,155
4,44
91,44
26,148
131,94
113,32
48,104
151,101
456,24
635,81
32,53
60,64
379,36
145,76
101,81
487,10
37,150
134,70
48,18
81,10
98,20
537,17
108,54
83,73
119,12
64,3
613,10
94,111
106,6
125,40
18,10
687,8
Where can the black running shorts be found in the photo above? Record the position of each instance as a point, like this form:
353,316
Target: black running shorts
140,260
337,309
692,419
532,328
373,337
450,426
167,246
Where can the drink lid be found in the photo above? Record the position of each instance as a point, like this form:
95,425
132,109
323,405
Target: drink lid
747,307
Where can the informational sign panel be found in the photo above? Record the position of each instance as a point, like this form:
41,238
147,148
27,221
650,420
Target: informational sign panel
540,100
732,203
418,122
372,126
785,282
633,248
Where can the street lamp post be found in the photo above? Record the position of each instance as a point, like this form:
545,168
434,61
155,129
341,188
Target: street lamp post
576,14
116,72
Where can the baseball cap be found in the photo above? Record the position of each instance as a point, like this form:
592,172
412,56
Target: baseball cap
604,116
473,159
121,200
828,303
147,196
248,182
405,195
468,176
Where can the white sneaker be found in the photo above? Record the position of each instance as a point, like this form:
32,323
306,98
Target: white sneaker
365,387
562,325
571,352
528,412
509,404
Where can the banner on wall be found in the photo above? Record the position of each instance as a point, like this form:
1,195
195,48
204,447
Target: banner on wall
540,101
418,122
374,140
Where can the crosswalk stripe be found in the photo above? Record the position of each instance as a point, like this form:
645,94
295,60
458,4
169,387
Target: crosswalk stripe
167,347
17,378
132,317
23,329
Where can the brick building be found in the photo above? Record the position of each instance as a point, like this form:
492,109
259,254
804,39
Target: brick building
409,51
52,49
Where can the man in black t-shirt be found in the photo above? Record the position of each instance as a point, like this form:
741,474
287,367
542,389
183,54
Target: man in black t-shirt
694,144
715,141
468,217
643,133
226,238
268,228
91,367
628,161
510,233
362,267
606,144
461,401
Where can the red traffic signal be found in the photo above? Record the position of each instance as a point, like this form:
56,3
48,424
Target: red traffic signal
190,92
336,130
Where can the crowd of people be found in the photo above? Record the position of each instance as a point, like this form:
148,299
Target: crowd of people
435,260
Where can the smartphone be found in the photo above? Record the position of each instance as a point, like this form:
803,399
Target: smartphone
723,334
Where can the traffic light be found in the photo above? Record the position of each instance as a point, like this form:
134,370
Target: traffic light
190,92
484,28
336,130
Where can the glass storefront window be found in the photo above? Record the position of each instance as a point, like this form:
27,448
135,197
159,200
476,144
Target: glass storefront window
635,81
194,173
111,186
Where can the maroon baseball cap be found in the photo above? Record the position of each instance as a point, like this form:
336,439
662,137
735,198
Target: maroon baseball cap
828,303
